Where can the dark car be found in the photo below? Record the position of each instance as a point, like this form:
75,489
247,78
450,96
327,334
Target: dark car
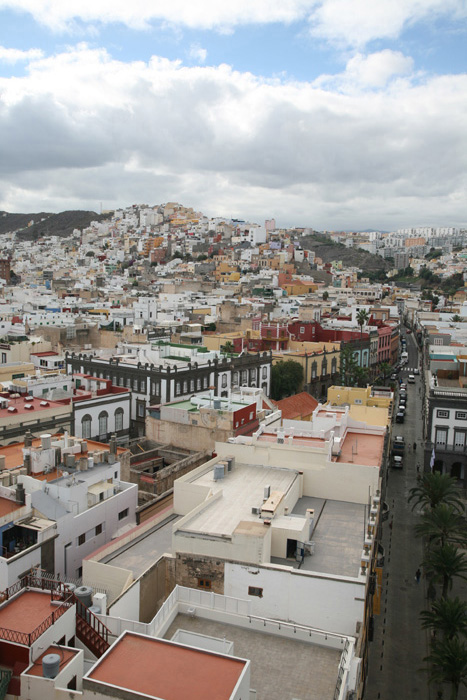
400,417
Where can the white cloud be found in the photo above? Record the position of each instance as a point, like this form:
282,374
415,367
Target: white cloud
197,53
349,22
375,70
81,128
16,55
357,22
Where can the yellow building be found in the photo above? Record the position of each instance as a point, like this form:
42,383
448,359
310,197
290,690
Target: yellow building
226,273
363,398
320,361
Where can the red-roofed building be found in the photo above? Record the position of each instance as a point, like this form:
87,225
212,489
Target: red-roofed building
297,407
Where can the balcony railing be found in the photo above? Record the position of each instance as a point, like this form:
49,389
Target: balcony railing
446,448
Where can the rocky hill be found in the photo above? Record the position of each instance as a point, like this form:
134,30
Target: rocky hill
328,251
46,224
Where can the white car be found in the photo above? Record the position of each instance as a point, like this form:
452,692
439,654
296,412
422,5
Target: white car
411,379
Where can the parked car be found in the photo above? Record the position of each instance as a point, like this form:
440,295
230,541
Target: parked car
397,462
408,331
411,379
400,417
403,387
398,445
416,371
393,377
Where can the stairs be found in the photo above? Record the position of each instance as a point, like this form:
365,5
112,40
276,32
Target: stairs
90,630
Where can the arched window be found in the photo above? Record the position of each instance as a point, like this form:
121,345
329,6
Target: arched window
314,370
185,387
86,422
119,419
103,425
333,365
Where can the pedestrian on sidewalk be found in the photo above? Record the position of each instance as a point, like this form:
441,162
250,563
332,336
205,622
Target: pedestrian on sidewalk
414,446
418,574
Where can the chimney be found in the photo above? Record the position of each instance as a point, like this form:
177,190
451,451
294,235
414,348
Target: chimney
113,445
28,439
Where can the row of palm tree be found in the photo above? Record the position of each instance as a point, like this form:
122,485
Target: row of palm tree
443,526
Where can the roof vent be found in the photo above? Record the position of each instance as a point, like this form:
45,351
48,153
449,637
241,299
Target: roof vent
29,398
12,409
45,403
29,406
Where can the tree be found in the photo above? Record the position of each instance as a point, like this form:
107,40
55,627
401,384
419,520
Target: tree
442,524
447,616
325,296
385,369
435,488
361,376
456,318
444,563
362,318
448,664
286,379
348,364
228,347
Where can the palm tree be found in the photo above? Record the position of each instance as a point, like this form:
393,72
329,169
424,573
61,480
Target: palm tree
448,664
435,488
362,318
442,524
448,616
443,564
228,347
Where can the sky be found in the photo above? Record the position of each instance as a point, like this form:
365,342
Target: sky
331,114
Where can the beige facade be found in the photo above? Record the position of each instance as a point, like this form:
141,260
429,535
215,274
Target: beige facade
361,397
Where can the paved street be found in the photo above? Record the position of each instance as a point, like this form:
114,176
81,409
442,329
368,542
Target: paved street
396,654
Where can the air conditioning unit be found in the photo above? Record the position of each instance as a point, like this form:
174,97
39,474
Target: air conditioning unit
256,511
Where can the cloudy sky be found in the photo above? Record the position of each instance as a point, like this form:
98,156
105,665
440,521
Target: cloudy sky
326,113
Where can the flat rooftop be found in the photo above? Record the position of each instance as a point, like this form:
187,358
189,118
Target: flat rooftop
26,612
66,656
160,669
142,552
281,668
7,506
298,440
337,535
242,489
362,448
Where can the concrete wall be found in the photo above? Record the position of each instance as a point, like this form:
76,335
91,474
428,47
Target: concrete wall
112,578
321,478
327,602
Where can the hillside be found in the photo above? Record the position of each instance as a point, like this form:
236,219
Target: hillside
46,224
328,251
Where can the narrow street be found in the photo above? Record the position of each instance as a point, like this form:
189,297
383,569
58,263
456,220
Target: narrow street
399,646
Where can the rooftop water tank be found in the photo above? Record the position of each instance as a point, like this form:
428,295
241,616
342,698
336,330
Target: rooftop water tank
95,609
219,471
84,595
46,440
50,665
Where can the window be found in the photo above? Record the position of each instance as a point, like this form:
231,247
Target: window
3,357
177,389
302,329
252,590
123,514
86,422
441,436
358,401
252,375
235,378
141,410
205,382
461,415
205,583
119,419
135,385
99,529
142,386
251,415
333,365
459,439
185,387
265,372
198,385
81,539
103,420
192,386
314,370
128,382
224,381
442,414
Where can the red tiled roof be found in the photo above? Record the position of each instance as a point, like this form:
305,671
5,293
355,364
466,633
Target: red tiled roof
297,406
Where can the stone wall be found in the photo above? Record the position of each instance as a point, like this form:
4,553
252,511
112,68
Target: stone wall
188,569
